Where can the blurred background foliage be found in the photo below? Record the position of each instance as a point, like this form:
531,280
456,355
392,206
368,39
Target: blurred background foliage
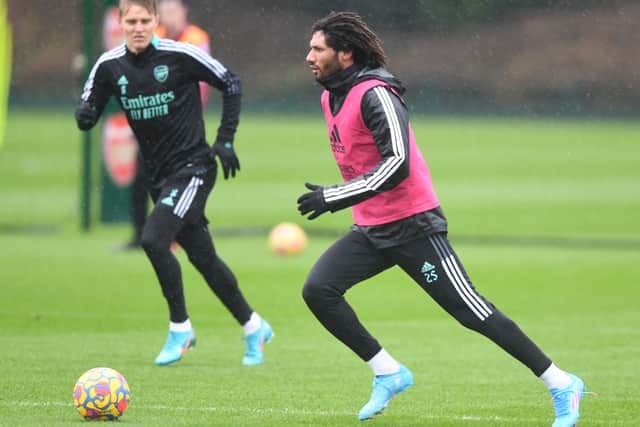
547,57
446,15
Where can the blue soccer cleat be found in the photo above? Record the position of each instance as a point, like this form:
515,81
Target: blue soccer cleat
384,388
177,344
255,344
566,402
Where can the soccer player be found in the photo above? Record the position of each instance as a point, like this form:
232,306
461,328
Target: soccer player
398,218
173,24
155,82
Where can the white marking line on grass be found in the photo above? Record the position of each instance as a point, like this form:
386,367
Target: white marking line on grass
277,411
298,412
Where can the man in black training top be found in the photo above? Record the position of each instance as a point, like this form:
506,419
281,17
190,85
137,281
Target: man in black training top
155,82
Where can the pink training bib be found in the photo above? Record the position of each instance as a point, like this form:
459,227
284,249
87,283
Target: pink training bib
356,153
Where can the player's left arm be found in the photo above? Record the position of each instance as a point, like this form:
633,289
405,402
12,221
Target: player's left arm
386,116
205,45
203,67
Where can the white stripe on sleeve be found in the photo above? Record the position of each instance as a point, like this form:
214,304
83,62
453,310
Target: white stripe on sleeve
112,54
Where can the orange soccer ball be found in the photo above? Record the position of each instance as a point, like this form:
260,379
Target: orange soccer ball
287,239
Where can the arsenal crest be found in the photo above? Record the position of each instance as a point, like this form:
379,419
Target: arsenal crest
161,72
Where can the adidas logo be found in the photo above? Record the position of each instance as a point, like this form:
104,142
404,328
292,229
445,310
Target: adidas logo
123,82
427,267
336,142
169,199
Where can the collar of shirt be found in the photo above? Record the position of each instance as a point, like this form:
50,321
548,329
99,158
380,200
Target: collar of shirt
339,83
144,55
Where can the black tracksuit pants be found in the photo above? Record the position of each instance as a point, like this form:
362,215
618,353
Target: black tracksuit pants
433,265
139,201
178,215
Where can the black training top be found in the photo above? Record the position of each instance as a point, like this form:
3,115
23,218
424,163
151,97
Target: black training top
158,90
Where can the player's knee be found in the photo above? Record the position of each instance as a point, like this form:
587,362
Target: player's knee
309,293
201,260
318,294
312,293
152,245
470,322
473,321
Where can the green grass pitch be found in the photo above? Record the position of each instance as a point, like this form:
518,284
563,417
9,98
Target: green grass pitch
544,215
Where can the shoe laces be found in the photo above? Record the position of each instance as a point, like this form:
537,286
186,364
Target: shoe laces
562,400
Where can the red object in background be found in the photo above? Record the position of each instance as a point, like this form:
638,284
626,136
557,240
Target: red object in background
119,149
111,32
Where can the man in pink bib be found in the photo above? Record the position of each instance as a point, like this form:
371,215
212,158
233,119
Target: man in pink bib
397,218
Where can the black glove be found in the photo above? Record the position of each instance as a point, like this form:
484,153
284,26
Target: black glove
312,201
228,158
86,115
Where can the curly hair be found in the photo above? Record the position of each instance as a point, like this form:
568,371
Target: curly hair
347,32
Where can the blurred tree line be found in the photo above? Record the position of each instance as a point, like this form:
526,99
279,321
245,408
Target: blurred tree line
443,15
523,56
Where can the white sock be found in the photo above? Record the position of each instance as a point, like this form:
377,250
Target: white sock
555,377
383,364
253,324
180,327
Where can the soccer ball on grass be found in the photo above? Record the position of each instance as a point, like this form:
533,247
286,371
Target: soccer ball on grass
101,394
287,239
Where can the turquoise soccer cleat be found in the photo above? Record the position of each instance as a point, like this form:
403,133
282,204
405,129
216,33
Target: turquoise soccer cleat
255,344
177,345
384,388
566,402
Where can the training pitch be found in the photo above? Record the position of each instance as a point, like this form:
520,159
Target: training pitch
544,215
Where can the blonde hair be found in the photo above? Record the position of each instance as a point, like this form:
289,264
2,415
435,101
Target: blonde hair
150,5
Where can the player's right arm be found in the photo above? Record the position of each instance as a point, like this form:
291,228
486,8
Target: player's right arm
94,97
